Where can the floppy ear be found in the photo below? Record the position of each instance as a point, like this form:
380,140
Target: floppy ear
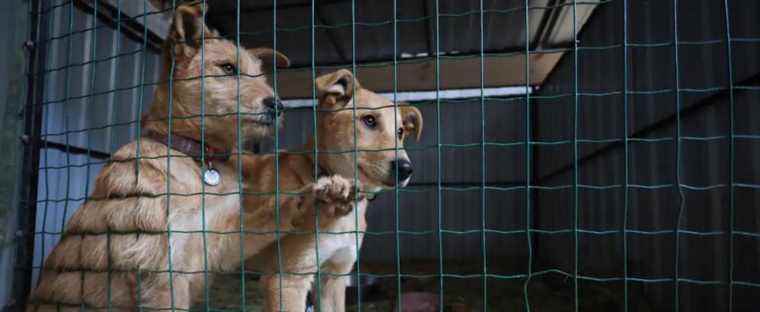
188,28
266,55
336,87
412,119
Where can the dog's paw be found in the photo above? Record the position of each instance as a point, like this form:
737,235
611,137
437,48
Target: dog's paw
335,195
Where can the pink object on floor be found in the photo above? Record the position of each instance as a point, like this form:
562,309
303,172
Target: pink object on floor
419,302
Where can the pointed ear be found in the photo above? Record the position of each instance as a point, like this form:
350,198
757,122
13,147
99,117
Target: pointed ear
188,28
412,119
336,87
266,55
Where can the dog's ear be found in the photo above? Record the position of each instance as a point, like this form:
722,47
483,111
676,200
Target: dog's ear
266,55
188,28
412,119
337,87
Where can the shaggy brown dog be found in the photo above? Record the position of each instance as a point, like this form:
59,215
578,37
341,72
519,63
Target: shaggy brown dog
350,118
147,235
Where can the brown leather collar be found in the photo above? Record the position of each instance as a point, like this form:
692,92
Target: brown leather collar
188,146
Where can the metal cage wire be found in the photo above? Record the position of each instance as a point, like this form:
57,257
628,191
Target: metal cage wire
67,154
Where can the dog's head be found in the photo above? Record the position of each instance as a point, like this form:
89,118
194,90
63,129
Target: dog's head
352,118
204,68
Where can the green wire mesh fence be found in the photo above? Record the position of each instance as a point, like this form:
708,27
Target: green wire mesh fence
577,155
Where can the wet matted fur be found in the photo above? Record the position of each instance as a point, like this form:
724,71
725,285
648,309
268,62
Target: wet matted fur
349,117
146,235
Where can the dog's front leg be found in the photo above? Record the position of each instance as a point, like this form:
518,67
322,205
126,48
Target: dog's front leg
331,197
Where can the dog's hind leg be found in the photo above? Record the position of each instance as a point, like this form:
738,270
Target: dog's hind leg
160,295
285,292
332,290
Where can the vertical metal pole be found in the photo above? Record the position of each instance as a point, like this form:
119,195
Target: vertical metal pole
625,140
396,189
483,139
677,184
356,157
576,191
239,147
315,116
93,71
731,155
278,233
27,208
528,162
439,144
204,111
170,124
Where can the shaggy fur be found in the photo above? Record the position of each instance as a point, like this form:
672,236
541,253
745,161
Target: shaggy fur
339,238
138,241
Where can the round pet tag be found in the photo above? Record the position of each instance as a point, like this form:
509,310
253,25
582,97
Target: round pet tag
211,177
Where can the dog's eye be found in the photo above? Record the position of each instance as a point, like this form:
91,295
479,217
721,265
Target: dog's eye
400,133
369,121
228,68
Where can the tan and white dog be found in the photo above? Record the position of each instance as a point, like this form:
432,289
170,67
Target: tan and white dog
147,235
352,121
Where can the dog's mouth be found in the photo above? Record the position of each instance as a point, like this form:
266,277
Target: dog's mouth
389,182
392,183
265,119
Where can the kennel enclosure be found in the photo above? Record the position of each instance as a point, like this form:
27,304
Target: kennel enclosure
577,155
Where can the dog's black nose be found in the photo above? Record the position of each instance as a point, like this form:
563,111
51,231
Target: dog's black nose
273,103
404,168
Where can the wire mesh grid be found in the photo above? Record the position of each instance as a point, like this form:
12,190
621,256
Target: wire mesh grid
596,173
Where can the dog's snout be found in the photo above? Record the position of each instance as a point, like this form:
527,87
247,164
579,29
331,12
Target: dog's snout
403,168
273,103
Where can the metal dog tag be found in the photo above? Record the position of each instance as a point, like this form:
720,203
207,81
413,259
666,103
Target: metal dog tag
211,177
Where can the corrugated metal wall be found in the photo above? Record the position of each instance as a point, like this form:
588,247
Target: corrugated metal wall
461,206
653,201
95,83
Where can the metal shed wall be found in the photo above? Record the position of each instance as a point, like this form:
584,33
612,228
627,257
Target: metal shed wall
653,202
97,81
